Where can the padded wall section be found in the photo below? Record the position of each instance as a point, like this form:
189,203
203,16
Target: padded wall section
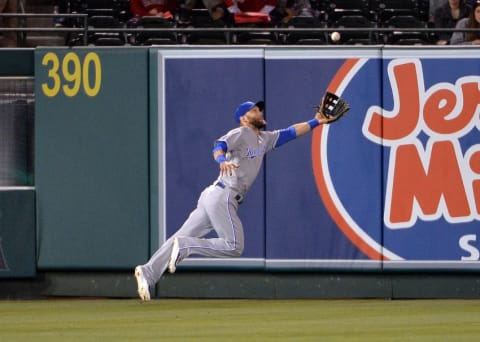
91,135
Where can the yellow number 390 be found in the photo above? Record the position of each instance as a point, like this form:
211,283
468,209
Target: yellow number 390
72,74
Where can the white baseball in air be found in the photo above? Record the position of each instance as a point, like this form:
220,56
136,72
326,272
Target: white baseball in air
335,36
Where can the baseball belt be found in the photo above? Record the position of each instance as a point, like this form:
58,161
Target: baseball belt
238,197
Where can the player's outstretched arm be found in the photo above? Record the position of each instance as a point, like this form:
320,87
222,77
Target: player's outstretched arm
299,129
305,127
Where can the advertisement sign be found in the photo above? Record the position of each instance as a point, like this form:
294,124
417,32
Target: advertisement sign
426,124
431,157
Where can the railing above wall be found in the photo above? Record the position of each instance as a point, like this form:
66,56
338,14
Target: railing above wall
85,31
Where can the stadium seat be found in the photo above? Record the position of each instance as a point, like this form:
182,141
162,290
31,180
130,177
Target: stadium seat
305,38
358,36
118,9
385,9
406,38
336,9
255,36
155,37
200,18
423,9
101,14
105,38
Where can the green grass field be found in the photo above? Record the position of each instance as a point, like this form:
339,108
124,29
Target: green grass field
239,320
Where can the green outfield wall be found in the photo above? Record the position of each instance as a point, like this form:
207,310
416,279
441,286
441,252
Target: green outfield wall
92,158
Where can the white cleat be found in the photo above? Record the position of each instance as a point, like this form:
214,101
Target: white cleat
143,289
172,265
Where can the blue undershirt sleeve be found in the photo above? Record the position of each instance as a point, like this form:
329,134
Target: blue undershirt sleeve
286,135
220,145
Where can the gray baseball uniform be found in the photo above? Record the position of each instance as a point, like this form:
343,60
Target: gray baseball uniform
218,204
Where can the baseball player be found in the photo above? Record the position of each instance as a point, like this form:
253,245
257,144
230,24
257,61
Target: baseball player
239,154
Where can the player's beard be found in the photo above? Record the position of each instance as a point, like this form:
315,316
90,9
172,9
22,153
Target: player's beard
258,123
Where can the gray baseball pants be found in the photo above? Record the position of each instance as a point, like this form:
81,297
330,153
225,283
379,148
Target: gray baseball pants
216,210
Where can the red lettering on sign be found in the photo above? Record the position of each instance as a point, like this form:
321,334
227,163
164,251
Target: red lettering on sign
437,182
439,111
402,121
475,167
426,186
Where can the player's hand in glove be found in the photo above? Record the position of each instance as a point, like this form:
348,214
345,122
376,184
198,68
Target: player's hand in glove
331,109
322,119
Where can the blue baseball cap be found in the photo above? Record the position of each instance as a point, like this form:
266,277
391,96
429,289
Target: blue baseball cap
246,106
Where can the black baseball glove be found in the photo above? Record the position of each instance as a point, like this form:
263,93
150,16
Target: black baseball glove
332,107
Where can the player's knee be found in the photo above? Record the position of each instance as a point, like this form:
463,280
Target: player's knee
237,250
